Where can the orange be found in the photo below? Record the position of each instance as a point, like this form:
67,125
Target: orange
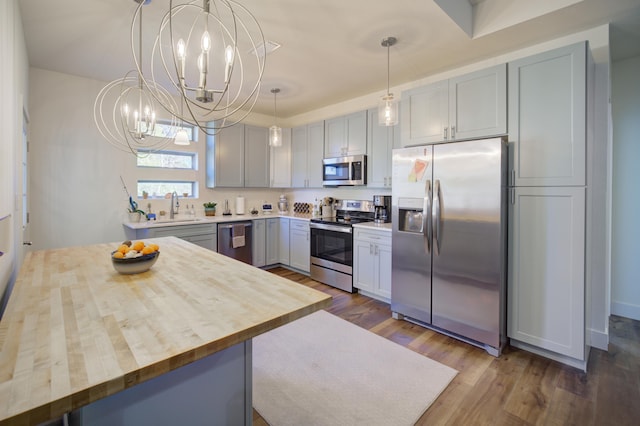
118,255
147,250
123,248
138,246
155,247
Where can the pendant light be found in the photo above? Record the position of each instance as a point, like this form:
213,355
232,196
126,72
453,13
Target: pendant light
275,132
388,106
182,138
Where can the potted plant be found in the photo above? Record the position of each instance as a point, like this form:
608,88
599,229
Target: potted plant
209,209
135,214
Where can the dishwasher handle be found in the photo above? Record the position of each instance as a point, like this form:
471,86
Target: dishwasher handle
231,225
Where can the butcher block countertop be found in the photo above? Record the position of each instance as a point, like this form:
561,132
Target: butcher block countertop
76,331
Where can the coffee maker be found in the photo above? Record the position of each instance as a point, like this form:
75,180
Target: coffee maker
382,208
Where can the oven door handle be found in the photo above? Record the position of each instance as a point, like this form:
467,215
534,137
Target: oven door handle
345,229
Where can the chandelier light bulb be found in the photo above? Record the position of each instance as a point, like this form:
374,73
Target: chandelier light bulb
206,41
182,50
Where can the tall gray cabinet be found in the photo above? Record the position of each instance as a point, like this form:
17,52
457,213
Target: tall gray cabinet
238,157
549,94
307,147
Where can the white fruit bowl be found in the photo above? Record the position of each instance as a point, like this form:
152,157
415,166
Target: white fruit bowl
135,265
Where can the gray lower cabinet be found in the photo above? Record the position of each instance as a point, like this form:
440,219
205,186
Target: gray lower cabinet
546,306
272,246
372,263
258,243
300,246
283,242
203,235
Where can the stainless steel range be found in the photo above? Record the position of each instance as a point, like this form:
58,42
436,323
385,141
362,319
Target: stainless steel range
332,243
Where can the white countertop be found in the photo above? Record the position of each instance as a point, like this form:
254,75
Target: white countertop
372,225
183,219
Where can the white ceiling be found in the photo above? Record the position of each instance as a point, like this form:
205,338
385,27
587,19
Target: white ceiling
331,49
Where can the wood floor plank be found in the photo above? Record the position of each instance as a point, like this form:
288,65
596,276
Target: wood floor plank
534,391
518,388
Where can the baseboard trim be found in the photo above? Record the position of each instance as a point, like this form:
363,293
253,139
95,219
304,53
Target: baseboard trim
572,362
599,339
626,310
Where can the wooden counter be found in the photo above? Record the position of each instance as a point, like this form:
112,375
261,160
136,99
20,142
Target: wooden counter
76,331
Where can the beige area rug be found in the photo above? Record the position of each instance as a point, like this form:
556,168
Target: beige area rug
323,370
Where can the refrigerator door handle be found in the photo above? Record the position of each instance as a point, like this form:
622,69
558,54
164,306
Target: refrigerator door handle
426,217
437,211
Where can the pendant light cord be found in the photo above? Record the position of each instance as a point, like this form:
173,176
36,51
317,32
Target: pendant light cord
388,69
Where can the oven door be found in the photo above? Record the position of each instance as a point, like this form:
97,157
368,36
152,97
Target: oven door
332,243
332,255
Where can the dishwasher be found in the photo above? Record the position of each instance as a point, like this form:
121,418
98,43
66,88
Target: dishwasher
234,240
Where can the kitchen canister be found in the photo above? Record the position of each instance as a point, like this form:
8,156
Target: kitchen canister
240,205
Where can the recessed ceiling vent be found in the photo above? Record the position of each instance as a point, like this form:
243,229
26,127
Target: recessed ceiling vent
265,48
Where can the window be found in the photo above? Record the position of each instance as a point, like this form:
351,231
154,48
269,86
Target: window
160,188
166,171
163,129
168,160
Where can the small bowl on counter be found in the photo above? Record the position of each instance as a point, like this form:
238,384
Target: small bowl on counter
134,265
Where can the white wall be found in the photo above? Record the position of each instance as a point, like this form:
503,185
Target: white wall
13,96
625,250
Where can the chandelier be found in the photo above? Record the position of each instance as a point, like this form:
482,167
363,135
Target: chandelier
126,110
212,53
388,107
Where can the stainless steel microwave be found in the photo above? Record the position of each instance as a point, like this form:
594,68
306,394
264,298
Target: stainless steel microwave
344,171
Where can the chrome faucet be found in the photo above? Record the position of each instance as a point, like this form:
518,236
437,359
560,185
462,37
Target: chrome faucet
176,204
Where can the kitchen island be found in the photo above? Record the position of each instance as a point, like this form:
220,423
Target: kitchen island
79,337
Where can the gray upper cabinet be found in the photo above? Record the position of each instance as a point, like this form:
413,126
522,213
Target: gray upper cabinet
238,157
424,114
470,106
346,135
380,142
256,157
280,167
547,118
307,144
228,148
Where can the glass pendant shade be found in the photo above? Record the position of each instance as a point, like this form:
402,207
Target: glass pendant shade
275,136
388,106
182,138
388,110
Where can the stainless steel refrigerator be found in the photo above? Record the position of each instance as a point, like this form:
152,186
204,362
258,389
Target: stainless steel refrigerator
449,239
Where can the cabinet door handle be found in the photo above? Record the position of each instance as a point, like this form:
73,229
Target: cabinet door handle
389,180
445,133
513,177
370,248
453,132
376,250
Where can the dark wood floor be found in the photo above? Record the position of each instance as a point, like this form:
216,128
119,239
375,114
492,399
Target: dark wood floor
518,388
